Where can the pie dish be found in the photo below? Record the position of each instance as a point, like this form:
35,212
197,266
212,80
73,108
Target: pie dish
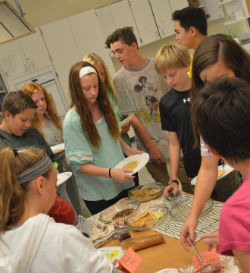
146,192
146,218
119,211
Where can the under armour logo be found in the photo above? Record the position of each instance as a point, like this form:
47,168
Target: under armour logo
186,100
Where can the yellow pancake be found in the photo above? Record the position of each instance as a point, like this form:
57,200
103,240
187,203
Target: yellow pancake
146,219
131,165
158,214
220,173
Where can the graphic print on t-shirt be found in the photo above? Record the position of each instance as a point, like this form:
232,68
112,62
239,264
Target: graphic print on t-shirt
147,95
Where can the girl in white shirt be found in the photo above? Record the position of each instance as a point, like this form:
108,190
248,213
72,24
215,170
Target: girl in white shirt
31,241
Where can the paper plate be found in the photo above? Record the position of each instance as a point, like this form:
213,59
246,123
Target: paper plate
62,177
57,148
126,120
112,253
142,160
227,169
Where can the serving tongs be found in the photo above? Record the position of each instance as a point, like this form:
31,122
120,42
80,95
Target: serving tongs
205,269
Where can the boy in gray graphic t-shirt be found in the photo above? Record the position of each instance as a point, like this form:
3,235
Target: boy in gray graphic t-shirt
140,89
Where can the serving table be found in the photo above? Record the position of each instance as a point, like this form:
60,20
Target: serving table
170,254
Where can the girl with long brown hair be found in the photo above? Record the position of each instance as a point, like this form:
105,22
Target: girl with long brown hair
92,141
113,96
30,240
216,56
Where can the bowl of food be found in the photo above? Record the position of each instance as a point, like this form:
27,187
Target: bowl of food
146,192
146,218
119,211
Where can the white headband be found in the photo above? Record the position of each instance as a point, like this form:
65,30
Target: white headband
86,70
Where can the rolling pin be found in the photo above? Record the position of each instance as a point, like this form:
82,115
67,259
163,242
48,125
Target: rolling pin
140,243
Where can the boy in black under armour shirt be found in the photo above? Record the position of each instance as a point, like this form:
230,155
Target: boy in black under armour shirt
172,62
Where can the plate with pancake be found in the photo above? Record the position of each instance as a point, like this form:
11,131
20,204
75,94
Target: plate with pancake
223,170
57,148
133,162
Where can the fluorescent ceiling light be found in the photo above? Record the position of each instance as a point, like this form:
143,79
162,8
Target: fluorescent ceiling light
12,25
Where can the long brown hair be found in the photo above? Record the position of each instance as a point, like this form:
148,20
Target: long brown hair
79,102
32,88
212,49
93,59
12,194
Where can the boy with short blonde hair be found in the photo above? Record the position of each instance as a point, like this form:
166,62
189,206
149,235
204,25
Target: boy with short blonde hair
172,63
170,56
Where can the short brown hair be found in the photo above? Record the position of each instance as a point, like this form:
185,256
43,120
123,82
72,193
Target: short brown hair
125,34
16,102
172,55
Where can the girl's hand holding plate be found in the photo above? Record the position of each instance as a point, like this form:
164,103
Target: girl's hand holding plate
121,175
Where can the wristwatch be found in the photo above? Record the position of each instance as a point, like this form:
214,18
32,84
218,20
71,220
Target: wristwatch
173,181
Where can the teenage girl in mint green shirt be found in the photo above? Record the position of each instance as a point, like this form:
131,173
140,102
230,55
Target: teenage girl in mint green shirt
92,141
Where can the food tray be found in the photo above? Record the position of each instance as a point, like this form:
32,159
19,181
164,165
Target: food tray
119,211
181,206
146,192
142,219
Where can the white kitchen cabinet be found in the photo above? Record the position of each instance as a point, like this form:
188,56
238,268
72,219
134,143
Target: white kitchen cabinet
163,15
236,10
63,50
12,60
145,21
23,56
69,39
115,16
212,9
123,17
105,20
35,51
177,4
89,40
